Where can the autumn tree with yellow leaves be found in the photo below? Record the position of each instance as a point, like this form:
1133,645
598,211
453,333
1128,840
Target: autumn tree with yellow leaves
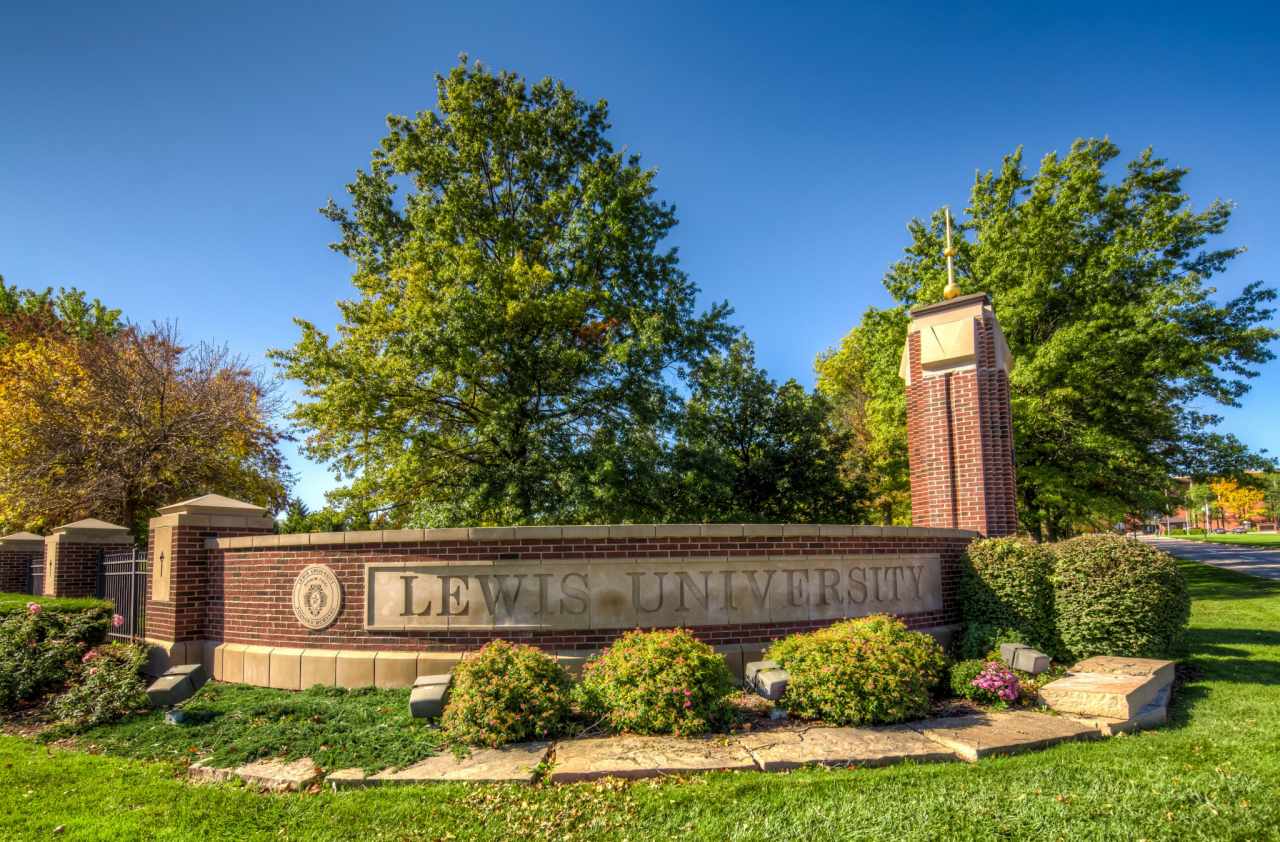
107,419
1241,502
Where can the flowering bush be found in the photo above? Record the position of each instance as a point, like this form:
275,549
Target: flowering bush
658,682
109,687
998,680
506,693
870,670
985,682
40,649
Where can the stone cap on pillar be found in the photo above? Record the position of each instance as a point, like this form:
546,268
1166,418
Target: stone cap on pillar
948,336
21,541
214,510
91,531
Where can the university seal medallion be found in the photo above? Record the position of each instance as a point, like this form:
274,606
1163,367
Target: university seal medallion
317,597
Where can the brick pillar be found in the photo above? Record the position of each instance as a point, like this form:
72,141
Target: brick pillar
183,581
17,553
959,431
73,553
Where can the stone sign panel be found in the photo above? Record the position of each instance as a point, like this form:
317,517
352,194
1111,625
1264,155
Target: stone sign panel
646,592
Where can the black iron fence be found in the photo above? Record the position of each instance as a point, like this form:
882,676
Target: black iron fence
122,578
35,575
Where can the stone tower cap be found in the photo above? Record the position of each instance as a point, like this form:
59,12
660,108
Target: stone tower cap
22,538
91,524
212,503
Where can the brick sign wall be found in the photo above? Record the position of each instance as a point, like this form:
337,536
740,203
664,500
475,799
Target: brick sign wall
561,593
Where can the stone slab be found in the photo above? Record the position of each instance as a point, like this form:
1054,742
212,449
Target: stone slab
169,690
1162,671
1113,695
645,757
202,772
510,764
1002,732
1155,714
278,776
790,748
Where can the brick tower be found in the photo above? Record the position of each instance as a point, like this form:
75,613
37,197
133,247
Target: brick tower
959,434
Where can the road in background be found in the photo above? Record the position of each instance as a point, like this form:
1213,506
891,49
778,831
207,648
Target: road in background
1255,561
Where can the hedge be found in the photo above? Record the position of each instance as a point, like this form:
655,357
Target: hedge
1006,590
1117,596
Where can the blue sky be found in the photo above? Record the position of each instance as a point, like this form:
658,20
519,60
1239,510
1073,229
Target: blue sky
169,158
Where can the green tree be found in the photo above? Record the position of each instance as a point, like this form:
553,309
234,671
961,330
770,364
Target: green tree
518,327
1101,288
749,449
24,312
860,379
1271,497
1200,499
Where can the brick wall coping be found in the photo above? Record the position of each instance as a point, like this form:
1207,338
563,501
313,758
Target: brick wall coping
478,534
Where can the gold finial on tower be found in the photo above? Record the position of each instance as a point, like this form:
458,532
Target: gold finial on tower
952,289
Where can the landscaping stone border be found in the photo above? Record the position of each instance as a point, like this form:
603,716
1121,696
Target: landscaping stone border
969,737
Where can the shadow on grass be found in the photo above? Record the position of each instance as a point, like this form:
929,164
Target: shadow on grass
1206,582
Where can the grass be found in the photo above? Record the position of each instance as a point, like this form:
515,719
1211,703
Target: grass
233,724
16,603
1252,539
1213,773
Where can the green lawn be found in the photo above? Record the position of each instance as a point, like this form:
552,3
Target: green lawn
1256,539
1213,773
233,724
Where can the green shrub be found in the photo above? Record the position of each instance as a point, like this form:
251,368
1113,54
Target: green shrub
40,649
979,640
506,693
109,687
658,682
1007,584
1116,596
870,670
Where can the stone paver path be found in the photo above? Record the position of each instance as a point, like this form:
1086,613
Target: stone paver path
967,737
791,748
645,757
1002,732
1255,561
510,764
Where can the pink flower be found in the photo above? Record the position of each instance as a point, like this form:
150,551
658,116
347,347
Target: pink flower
34,608
93,670
117,620
89,656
